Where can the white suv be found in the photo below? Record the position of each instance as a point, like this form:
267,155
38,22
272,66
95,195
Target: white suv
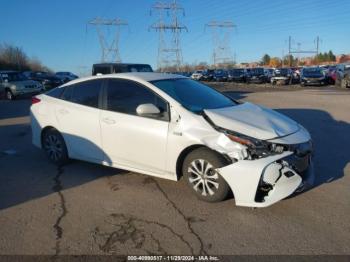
170,126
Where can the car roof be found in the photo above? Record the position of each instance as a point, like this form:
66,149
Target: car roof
122,64
138,76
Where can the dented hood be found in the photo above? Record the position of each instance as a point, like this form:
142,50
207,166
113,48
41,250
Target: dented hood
253,120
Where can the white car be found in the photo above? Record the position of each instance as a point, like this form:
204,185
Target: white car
197,75
170,126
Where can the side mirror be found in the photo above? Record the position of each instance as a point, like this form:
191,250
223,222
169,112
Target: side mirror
147,109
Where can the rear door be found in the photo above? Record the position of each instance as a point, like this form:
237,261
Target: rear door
78,116
128,139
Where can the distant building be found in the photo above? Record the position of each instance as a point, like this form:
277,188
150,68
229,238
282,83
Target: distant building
343,58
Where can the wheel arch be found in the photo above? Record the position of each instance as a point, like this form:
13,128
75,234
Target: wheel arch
47,128
186,151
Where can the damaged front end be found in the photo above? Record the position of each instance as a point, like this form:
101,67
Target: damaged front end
271,170
265,181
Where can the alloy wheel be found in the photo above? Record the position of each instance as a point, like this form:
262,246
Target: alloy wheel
203,177
53,147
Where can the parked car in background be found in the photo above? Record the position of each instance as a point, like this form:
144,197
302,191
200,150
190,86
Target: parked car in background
312,76
48,80
208,75
66,76
115,68
169,126
220,75
269,74
197,75
343,75
330,74
257,75
283,76
237,75
15,84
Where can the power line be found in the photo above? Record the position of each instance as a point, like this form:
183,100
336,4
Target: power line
292,50
221,33
110,51
169,51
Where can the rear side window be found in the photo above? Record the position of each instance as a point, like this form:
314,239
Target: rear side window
125,96
85,93
57,92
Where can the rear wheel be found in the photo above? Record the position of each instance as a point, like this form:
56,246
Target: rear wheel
55,147
199,170
9,95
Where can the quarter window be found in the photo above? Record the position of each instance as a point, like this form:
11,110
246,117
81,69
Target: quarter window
84,93
125,96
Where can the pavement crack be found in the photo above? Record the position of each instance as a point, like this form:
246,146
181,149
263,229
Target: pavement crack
130,228
188,220
57,187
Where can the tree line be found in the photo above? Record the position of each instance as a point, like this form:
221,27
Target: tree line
14,58
290,60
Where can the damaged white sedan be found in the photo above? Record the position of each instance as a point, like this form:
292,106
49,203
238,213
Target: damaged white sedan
170,126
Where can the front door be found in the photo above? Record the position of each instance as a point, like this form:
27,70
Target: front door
131,140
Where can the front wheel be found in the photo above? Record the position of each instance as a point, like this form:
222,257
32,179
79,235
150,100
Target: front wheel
55,147
199,170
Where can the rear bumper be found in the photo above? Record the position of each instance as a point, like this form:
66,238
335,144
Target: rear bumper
246,176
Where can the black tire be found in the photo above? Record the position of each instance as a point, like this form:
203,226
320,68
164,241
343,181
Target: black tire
9,95
55,147
198,170
343,83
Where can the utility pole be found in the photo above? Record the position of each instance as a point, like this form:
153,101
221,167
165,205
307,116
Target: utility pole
221,34
169,48
110,50
292,50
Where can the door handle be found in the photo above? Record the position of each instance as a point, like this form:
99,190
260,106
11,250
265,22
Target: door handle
108,121
63,111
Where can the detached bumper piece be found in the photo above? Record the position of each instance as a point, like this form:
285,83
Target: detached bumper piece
265,181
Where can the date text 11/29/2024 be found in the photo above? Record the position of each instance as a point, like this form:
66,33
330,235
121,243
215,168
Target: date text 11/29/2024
173,258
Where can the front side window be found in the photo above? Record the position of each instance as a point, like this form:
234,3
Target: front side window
84,93
125,96
193,95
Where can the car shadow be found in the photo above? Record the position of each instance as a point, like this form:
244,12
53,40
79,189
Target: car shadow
16,108
330,140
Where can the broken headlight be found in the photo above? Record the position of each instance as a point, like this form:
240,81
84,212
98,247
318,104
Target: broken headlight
256,148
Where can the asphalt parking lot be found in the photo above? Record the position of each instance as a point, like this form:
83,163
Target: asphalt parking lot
84,208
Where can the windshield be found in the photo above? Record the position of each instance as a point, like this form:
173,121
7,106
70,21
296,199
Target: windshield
139,68
282,72
193,95
14,77
237,71
317,72
257,71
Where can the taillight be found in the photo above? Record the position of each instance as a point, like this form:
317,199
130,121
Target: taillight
35,100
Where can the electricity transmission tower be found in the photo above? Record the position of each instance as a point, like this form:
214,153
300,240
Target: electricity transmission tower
221,33
292,50
169,47
110,49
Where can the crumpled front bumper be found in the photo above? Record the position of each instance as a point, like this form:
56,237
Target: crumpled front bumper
245,178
